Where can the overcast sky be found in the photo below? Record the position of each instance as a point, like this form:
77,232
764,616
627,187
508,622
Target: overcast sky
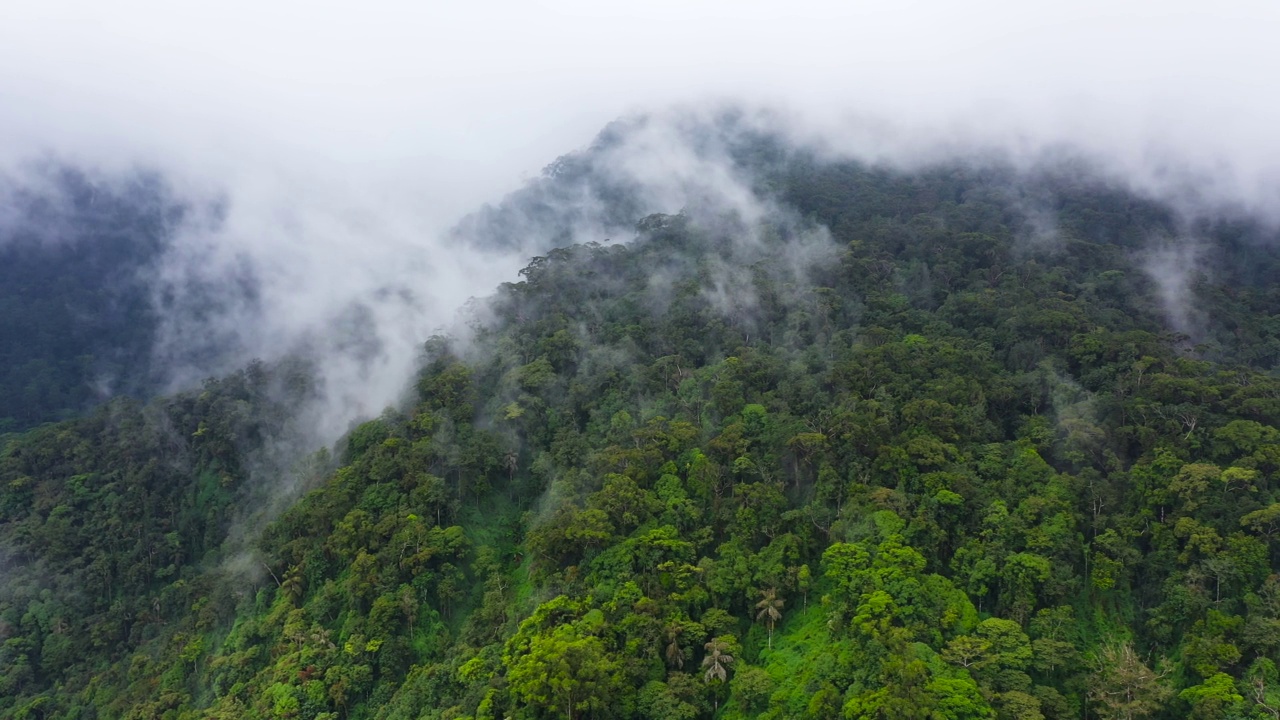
462,100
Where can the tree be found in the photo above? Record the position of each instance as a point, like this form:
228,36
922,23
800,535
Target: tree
769,610
751,689
804,580
1214,698
1265,522
565,670
1122,687
1262,691
967,651
293,586
1010,649
717,663
674,652
1051,648
717,660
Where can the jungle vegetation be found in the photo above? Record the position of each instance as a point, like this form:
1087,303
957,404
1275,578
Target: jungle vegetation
929,444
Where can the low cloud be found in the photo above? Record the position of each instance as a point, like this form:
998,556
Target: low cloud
1175,267
327,152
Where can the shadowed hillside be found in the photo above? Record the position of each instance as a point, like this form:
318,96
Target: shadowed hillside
961,442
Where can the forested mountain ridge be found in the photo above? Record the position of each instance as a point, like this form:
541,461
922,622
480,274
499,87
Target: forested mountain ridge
77,323
956,443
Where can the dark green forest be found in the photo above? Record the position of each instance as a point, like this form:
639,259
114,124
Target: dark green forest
928,444
77,322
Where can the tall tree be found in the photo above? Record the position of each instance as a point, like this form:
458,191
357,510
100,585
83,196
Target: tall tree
1122,687
717,663
769,610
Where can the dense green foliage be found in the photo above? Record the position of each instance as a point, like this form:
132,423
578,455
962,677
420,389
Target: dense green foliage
110,521
921,466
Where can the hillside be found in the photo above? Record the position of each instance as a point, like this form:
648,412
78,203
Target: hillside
960,442
76,316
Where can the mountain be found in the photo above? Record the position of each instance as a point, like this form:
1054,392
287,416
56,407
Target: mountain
76,317
828,440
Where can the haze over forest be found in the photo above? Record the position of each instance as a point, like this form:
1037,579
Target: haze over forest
338,147
682,360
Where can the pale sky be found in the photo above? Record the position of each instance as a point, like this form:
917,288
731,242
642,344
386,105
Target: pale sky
462,100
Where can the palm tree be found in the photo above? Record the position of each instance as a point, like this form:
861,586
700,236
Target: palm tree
293,585
717,660
675,653
511,461
717,664
770,607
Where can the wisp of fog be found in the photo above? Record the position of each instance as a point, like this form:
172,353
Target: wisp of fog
326,151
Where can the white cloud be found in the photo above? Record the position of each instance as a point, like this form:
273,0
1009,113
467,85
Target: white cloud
348,136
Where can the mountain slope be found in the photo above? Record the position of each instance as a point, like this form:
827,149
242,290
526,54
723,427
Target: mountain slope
76,317
958,443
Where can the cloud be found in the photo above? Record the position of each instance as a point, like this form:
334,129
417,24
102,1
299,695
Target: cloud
332,274
1175,267
338,143
465,98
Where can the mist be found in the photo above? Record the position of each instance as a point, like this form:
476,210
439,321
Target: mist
328,153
